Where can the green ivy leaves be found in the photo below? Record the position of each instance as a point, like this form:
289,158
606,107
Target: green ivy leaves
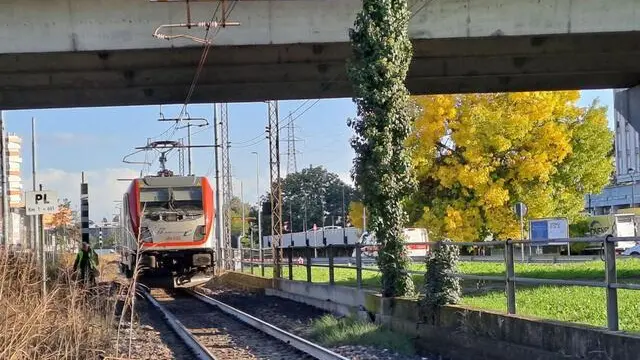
382,53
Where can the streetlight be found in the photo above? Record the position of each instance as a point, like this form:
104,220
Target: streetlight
259,206
631,171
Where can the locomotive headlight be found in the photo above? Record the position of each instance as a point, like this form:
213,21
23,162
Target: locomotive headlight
201,260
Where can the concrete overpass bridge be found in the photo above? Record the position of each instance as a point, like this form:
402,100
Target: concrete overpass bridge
69,53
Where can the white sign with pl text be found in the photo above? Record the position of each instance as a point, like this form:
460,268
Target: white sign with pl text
41,202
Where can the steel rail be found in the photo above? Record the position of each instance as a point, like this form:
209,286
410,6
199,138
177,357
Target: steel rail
199,351
297,342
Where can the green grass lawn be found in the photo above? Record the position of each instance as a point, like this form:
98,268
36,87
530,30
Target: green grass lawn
568,303
592,270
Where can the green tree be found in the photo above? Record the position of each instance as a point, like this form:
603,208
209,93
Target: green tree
316,190
378,69
479,154
236,216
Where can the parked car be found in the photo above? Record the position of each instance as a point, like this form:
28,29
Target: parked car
632,251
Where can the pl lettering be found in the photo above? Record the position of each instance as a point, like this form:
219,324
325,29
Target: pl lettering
41,197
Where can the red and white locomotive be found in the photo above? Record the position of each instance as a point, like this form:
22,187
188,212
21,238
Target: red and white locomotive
168,225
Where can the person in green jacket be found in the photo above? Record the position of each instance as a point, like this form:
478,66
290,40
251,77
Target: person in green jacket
87,261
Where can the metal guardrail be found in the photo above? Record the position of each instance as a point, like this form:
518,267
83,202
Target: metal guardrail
609,259
297,342
196,348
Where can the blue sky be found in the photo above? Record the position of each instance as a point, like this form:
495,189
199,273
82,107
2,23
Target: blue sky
95,140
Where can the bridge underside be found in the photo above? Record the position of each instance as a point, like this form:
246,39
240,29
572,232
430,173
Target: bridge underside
296,71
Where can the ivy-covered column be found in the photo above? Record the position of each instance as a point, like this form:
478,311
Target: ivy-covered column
440,286
382,53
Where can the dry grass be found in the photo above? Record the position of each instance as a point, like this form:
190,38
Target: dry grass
109,267
67,323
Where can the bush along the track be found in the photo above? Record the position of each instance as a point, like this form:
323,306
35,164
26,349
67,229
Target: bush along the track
440,286
332,331
378,69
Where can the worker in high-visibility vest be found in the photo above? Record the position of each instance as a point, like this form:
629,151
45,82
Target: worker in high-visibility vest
87,261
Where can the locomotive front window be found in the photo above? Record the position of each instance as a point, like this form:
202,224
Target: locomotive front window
180,200
152,196
190,197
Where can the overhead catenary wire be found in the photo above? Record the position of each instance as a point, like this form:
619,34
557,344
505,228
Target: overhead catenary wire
261,137
203,57
207,44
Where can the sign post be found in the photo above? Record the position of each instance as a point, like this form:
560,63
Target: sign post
315,240
38,203
521,211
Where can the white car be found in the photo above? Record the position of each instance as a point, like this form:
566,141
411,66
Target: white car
632,251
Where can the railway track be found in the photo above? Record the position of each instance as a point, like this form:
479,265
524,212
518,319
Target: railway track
211,329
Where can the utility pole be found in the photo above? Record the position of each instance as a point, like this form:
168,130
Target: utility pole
181,157
242,202
227,188
5,184
276,189
188,120
290,218
364,218
34,219
43,254
219,213
292,165
259,203
344,219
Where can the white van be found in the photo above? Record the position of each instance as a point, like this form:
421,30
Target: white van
624,225
411,235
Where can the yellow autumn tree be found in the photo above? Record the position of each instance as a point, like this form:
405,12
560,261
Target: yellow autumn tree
64,216
477,155
356,210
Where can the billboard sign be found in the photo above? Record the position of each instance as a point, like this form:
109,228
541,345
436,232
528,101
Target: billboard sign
548,230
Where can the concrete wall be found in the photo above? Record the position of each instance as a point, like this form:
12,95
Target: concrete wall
86,25
463,333
342,300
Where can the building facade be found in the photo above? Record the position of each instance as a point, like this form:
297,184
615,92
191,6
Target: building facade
14,166
624,192
17,226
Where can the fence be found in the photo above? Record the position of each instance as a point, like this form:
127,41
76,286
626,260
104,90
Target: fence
610,284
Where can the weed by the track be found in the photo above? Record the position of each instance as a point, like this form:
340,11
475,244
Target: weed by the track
332,331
